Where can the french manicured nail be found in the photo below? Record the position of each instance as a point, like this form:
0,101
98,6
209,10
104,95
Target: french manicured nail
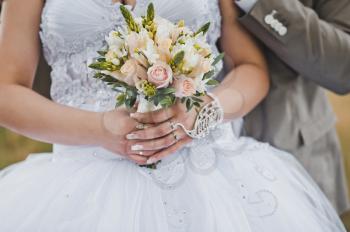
141,153
151,160
132,136
137,147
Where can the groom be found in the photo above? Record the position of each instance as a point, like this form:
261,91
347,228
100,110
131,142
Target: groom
307,47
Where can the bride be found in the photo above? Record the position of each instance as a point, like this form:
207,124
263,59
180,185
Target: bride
94,179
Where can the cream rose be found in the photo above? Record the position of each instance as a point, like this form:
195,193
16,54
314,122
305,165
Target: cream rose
141,73
133,72
160,74
184,86
203,66
130,71
129,68
164,29
136,41
164,49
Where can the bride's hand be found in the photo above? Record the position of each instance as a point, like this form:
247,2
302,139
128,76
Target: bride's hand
163,139
115,125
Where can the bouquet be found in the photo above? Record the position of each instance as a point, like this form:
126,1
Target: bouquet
152,62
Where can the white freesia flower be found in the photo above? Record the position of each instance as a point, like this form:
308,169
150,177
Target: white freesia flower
200,84
151,52
191,58
113,56
201,45
164,29
141,59
138,20
135,41
114,40
115,61
177,31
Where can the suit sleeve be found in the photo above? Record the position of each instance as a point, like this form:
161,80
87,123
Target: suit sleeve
316,43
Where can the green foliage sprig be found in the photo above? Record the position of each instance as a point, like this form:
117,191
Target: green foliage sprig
129,19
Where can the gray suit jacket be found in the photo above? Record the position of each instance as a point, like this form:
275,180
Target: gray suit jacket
309,53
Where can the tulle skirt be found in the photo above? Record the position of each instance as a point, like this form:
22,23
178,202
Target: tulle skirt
223,183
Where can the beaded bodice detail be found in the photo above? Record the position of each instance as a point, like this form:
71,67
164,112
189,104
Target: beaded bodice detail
72,32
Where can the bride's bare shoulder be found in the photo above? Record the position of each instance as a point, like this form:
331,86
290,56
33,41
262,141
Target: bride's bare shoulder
19,40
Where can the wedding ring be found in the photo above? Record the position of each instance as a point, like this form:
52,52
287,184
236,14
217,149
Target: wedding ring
176,137
141,126
172,125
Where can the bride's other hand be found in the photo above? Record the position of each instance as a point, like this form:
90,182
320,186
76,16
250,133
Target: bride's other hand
165,137
115,125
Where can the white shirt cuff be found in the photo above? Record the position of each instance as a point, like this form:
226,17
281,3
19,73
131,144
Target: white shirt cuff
246,5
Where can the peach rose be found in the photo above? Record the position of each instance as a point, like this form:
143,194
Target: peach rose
160,74
184,86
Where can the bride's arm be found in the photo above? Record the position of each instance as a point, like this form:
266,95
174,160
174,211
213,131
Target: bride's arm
242,89
26,112
247,83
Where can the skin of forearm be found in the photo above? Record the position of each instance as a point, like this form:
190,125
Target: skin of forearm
242,90
28,113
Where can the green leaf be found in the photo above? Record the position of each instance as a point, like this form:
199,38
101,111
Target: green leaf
111,80
156,100
130,102
208,75
166,91
98,75
102,53
177,59
203,29
208,56
103,65
212,82
150,13
101,59
131,93
196,99
197,104
132,25
189,104
218,58
120,100
166,102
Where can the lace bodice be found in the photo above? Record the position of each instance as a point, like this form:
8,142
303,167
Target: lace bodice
72,32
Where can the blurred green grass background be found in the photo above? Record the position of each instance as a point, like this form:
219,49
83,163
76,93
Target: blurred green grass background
14,148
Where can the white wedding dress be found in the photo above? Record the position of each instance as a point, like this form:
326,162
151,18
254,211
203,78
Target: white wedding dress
217,184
